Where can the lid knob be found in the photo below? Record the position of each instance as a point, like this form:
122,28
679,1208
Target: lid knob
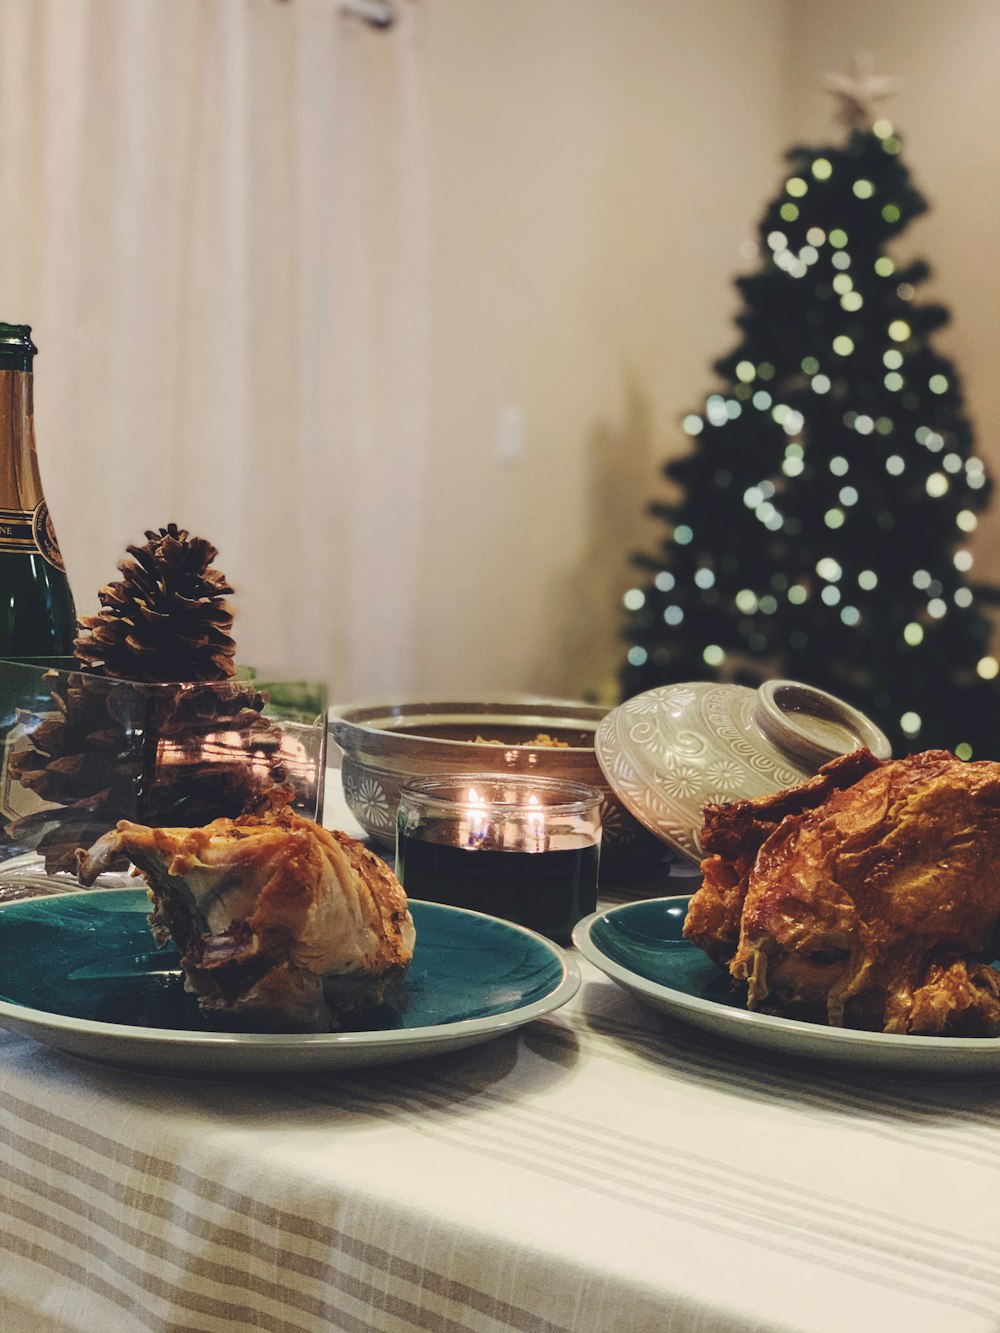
812,727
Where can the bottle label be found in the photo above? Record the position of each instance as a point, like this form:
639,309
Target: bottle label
44,535
30,531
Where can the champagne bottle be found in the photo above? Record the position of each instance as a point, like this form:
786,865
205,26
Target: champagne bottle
37,616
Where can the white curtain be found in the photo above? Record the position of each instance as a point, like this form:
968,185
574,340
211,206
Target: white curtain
214,218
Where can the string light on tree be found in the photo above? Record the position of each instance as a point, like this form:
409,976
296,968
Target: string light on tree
819,520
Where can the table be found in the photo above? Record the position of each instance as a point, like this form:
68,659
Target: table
603,1169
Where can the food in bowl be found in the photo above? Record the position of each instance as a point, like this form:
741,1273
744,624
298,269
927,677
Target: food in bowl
866,897
282,926
543,739
386,745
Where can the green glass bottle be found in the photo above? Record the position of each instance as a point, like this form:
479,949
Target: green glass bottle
37,616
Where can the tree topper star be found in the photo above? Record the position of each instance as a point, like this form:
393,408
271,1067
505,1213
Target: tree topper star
860,91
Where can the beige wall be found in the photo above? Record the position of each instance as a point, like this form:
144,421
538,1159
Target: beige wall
594,166
593,171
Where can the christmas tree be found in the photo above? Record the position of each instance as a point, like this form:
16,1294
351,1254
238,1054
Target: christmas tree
819,523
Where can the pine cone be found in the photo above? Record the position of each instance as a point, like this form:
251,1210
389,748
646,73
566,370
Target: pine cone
165,619
153,727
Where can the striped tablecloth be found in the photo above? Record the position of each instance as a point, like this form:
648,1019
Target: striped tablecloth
604,1169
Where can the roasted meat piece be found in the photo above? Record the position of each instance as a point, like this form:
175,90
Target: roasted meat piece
732,836
282,925
867,897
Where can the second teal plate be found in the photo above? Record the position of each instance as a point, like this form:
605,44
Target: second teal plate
642,946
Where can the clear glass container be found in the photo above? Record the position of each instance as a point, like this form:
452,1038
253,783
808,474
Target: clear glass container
82,751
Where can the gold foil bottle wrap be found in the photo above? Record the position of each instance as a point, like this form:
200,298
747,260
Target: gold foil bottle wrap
25,525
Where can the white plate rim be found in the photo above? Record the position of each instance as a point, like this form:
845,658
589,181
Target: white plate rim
278,1043
785,1033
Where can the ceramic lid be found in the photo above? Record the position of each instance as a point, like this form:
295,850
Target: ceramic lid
671,751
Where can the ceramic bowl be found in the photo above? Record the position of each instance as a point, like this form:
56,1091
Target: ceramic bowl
673,750
385,745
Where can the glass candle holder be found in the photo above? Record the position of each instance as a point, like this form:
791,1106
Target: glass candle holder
518,847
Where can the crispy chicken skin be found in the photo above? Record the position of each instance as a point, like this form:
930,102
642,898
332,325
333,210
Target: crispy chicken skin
867,897
282,925
732,836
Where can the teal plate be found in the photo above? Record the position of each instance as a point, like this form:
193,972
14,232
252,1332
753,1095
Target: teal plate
79,971
642,947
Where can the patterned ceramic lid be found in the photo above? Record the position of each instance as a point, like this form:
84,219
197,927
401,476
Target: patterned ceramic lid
671,751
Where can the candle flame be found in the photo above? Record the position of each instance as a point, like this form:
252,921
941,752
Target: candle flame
475,828
535,820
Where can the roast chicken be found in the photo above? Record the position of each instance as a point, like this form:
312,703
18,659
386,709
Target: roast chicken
281,925
867,897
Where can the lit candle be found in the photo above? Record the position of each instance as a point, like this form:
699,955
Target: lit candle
534,825
473,829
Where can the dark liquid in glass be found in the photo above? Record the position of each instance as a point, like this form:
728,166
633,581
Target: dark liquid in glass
548,891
